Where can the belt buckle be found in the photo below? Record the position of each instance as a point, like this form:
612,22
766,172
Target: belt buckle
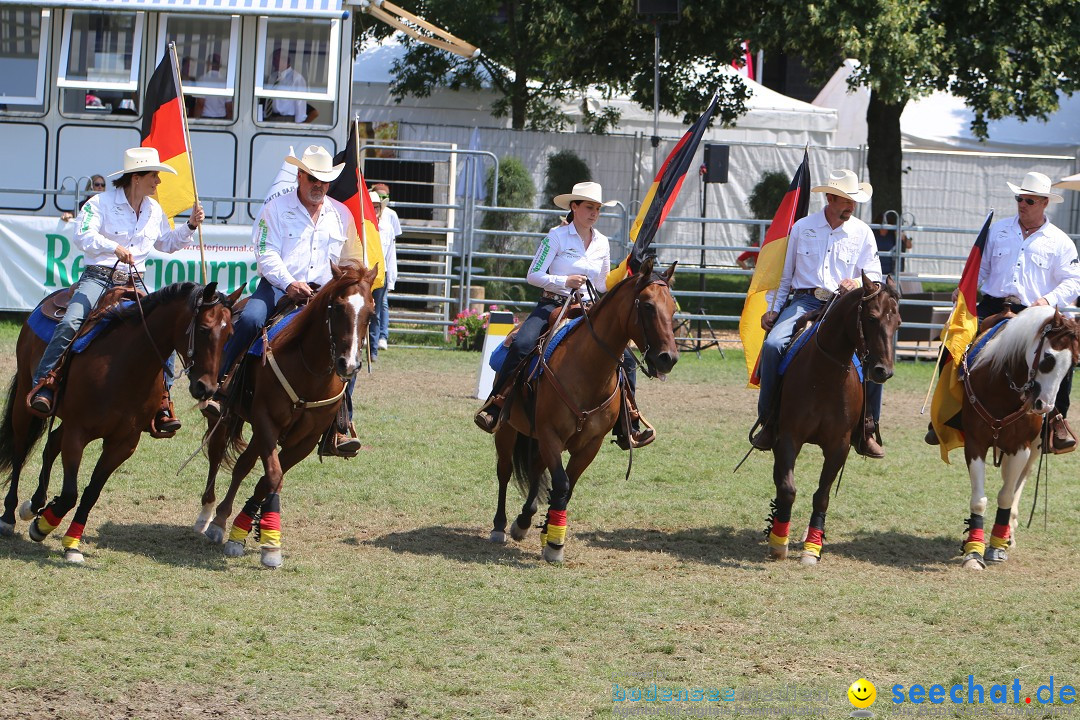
119,277
822,294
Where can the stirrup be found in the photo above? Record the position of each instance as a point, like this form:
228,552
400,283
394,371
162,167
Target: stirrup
48,383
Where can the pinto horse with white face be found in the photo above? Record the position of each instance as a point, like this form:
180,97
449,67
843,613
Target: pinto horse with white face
1008,389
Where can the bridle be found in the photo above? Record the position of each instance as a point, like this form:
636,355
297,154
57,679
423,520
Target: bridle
862,347
655,279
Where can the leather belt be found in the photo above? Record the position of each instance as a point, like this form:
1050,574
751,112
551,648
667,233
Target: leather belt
1010,299
557,297
115,276
819,293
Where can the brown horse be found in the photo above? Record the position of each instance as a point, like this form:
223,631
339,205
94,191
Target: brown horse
581,373
290,397
112,391
1009,387
821,401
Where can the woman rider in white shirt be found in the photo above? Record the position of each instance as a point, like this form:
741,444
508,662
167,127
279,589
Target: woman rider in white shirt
567,257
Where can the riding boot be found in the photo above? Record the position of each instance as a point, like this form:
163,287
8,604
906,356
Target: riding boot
931,437
639,436
165,424
766,437
40,400
870,447
1062,438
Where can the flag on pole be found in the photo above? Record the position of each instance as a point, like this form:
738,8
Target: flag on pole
770,265
957,334
164,128
351,190
746,66
661,196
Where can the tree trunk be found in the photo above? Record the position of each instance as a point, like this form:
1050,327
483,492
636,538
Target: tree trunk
884,158
519,101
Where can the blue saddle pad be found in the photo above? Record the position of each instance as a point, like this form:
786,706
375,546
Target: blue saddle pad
43,326
801,341
496,360
273,332
980,343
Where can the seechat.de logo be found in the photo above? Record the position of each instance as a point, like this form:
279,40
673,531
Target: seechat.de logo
861,695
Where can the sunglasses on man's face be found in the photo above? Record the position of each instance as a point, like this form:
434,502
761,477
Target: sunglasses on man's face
1029,201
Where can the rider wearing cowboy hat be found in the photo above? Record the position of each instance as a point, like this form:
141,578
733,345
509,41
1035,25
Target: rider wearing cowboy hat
827,252
116,231
567,257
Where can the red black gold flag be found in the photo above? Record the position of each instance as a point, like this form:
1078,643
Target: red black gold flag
163,129
350,190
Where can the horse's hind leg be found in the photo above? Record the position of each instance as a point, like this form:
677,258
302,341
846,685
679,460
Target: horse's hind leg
1014,514
505,438
215,452
30,508
72,447
114,453
215,531
36,503
784,454
815,532
519,529
974,544
553,537
1014,469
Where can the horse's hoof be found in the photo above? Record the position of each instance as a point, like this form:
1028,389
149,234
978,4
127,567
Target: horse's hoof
778,552
996,555
203,521
215,534
233,549
26,513
973,561
7,529
518,533
271,557
553,553
497,536
72,555
807,559
35,534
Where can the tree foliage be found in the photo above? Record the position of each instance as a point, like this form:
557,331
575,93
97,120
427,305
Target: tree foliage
565,169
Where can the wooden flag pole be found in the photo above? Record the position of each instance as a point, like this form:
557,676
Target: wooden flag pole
190,152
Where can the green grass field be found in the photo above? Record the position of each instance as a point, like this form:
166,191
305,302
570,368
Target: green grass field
392,604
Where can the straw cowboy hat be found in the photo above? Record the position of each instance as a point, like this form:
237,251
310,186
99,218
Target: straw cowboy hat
317,163
1069,183
846,184
142,159
375,198
585,191
1035,183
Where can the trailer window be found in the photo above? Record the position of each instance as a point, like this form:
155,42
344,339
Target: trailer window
23,52
206,49
296,71
99,63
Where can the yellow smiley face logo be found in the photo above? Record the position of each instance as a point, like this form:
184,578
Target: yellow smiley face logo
862,693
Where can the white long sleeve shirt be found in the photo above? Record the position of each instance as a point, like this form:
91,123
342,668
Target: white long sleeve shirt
819,256
562,253
1044,265
291,247
389,230
107,221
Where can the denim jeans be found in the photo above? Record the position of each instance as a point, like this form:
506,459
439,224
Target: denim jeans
88,291
250,322
378,327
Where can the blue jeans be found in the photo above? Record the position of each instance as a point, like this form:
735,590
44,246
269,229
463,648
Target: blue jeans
379,326
776,343
88,291
250,322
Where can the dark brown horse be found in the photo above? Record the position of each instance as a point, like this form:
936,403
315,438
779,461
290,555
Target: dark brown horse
821,401
577,401
112,391
290,400
1011,384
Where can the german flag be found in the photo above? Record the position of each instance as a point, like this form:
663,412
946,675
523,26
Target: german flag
661,196
350,190
957,334
770,266
164,129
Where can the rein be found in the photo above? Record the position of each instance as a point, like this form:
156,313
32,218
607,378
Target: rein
861,349
654,280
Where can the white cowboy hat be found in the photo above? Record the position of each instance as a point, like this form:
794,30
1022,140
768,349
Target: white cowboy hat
1035,183
846,184
317,163
142,159
585,191
375,198
1069,183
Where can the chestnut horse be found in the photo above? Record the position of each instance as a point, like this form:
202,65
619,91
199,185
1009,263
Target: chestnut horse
1009,387
112,391
821,401
576,401
290,397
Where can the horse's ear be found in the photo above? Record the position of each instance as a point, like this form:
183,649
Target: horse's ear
235,295
335,270
210,291
892,284
669,272
370,275
646,268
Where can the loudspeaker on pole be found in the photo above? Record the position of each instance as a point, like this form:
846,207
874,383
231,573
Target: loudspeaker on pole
716,162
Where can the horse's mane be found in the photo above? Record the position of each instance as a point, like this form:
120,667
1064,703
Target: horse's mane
1010,345
351,274
156,299
613,291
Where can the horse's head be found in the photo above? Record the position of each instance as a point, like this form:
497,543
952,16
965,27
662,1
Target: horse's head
1057,349
349,307
879,318
209,329
652,319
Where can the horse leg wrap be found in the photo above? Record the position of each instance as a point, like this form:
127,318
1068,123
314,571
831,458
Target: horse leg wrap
243,522
45,524
556,527
975,542
779,527
999,536
270,522
73,536
815,535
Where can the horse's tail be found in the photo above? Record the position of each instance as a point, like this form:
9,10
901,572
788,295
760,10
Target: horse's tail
234,425
10,457
525,449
